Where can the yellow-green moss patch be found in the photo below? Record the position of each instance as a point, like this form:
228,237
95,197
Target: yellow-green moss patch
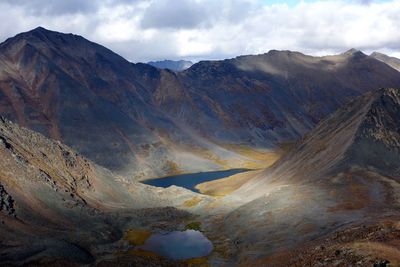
192,202
193,226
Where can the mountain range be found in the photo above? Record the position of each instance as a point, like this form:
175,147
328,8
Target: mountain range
80,126
138,120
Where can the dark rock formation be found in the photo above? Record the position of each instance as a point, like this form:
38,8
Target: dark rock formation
6,202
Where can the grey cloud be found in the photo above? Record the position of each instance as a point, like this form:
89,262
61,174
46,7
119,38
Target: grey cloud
143,30
176,14
190,14
55,7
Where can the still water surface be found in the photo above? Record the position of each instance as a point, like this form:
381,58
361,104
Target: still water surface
190,180
179,245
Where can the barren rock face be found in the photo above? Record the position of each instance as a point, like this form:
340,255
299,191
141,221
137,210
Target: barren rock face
138,120
6,202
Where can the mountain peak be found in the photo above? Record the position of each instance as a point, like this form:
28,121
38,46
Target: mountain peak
375,53
40,29
40,35
64,45
353,52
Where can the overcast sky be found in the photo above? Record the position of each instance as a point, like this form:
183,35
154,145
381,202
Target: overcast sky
143,30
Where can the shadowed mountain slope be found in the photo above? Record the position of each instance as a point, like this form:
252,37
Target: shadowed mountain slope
90,98
344,172
146,122
278,96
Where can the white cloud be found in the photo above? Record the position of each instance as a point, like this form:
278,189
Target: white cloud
143,30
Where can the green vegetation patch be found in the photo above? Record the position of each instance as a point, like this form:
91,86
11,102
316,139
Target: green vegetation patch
193,226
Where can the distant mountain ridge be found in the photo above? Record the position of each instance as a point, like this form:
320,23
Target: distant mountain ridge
146,122
175,65
391,61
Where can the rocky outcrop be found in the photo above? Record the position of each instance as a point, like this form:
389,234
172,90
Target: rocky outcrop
6,202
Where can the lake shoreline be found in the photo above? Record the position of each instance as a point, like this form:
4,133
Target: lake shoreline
191,180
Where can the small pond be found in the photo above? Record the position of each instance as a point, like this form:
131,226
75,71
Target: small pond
178,245
190,180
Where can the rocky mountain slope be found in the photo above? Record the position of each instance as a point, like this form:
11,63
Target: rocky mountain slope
364,134
275,97
56,204
391,61
86,96
144,122
344,173
175,65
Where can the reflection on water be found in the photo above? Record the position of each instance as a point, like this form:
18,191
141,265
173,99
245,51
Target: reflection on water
179,245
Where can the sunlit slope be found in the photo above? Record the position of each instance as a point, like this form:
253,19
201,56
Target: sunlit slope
344,172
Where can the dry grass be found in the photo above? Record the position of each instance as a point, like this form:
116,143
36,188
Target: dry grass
307,228
192,202
173,168
225,186
198,262
257,158
356,198
208,154
137,237
379,250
